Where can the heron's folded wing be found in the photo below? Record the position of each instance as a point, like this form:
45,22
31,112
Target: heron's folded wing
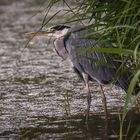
96,64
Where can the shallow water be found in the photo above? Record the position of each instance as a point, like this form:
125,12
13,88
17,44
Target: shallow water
40,95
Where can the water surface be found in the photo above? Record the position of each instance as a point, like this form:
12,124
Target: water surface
40,95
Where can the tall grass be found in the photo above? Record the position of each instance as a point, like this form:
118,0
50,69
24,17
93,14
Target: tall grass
116,24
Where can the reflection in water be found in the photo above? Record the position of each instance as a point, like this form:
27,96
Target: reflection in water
43,127
40,96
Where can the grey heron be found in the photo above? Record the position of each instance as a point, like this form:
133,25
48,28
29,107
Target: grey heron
68,42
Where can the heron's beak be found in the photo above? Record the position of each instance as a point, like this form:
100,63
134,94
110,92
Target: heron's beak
47,32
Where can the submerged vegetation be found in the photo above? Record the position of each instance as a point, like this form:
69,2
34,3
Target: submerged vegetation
116,25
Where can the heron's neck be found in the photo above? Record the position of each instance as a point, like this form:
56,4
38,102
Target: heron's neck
61,33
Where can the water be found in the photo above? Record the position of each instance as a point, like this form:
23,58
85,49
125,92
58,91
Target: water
40,95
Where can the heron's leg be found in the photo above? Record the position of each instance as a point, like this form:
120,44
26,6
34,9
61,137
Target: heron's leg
104,102
85,77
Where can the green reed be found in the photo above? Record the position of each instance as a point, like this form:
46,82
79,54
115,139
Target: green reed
116,25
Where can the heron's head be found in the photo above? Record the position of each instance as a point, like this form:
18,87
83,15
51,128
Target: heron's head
54,31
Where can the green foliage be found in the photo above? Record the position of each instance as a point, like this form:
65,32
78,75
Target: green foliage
116,24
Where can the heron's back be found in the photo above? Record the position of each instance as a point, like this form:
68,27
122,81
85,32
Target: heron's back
99,66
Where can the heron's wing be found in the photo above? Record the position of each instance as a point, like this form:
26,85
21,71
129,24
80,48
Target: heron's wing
97,65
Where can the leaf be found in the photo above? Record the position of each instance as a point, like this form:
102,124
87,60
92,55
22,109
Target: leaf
119,51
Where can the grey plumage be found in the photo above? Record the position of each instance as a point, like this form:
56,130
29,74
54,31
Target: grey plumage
73,44
60,48
70,43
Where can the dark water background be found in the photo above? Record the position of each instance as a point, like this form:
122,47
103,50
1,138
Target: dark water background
40,96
